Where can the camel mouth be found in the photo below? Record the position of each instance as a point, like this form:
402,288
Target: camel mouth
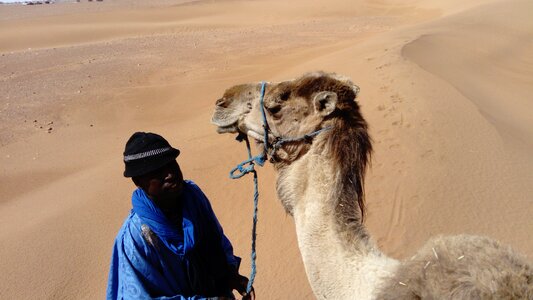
259,138
227,129
223,125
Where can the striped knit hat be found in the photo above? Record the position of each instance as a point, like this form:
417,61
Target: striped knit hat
146,152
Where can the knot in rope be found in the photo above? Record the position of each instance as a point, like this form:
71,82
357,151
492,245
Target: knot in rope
247,166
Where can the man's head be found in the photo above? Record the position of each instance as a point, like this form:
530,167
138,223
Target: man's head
151,162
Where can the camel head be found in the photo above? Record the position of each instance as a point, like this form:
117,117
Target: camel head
293,109
298,107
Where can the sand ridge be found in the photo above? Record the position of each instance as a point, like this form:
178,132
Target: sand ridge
446,155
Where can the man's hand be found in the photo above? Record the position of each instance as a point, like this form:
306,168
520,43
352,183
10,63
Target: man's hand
240,283
249,296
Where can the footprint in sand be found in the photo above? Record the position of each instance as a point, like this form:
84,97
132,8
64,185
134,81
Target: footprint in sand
399,122
428,153
398,162
396,98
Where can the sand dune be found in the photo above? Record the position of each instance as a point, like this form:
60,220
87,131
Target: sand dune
492,70
445,88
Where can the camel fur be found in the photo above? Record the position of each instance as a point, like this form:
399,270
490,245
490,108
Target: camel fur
321,184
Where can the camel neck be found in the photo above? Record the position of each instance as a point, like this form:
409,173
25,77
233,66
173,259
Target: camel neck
337,251
321,197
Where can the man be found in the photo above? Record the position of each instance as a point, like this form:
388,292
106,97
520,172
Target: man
171,246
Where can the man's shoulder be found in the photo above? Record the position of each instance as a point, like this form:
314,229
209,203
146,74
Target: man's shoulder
131,231
191,184
196,196
195,189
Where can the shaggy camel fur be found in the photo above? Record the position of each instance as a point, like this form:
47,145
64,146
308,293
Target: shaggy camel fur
320,183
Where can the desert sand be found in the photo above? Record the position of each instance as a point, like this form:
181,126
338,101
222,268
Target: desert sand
445,86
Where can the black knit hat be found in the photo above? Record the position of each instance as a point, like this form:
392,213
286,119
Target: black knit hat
146,152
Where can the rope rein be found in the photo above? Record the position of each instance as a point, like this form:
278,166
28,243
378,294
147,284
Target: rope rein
244,168
248,165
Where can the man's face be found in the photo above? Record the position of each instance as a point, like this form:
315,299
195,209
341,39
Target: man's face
163,183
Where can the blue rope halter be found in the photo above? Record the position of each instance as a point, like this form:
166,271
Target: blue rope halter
247,166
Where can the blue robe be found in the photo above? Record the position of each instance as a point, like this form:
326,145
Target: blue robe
195,263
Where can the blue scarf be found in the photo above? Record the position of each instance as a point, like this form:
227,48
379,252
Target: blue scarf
167,232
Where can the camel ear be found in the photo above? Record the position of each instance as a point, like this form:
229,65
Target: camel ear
355,89
325,103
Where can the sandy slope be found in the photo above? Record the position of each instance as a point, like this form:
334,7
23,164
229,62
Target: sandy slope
445,87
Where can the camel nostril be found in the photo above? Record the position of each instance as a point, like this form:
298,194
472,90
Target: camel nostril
221,102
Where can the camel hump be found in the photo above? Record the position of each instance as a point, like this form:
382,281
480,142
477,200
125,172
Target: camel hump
462,267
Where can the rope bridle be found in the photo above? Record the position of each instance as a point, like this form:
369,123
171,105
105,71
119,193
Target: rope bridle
247,166
268,148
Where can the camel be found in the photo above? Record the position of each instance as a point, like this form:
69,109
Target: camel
320,183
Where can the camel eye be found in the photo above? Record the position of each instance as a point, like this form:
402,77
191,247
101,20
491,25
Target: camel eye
285,95
274,109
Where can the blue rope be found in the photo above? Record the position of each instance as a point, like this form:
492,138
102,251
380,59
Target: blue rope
254,230
248,165
260,160
263,114
307,138
244,168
